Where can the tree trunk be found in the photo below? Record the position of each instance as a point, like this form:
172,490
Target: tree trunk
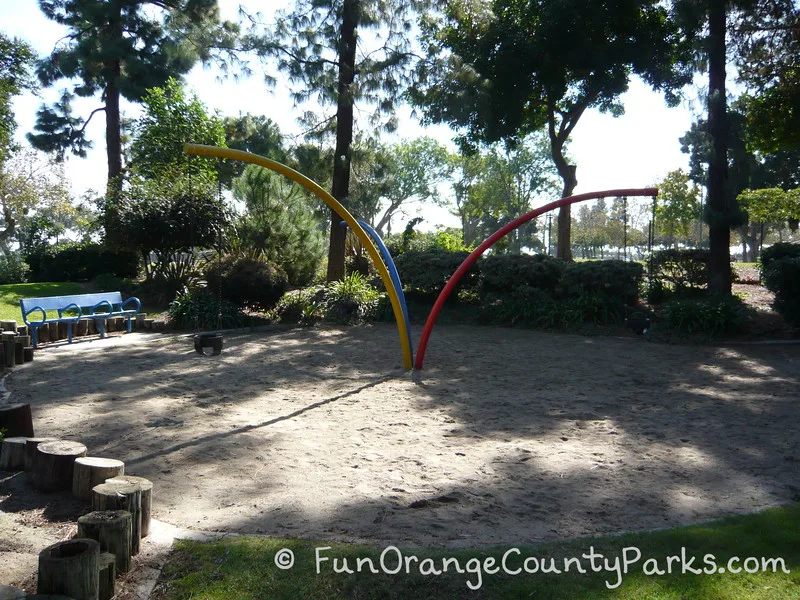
70,568
344,135
112,72
31,445
53,465
113,530
12,454
90,471
719,267
567,173
121,496
146,486
107,574
16,419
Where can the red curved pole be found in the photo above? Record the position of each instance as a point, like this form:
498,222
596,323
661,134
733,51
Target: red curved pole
489,242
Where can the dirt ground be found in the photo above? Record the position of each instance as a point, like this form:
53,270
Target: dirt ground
507,437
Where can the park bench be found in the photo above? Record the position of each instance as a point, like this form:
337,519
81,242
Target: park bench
72,309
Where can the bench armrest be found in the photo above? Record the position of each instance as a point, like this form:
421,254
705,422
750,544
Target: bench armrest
134,300
34,309
103,303
67,307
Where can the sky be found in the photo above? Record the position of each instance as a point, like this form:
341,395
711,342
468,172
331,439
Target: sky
634,150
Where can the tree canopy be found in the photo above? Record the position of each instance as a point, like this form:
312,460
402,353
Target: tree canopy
317,44
16,61
118,49
498,70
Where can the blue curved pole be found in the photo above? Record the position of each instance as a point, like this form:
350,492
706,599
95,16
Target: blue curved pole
393,274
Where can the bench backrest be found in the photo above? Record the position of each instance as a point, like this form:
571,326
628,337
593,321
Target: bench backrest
58,302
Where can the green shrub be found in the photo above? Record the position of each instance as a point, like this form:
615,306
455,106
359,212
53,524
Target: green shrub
499,274
783,277
201,309
708,316
81,262
681,270
615,279
247,281
302,306
13,269
523,306
351,300
776,252
2,434
108,282
425,273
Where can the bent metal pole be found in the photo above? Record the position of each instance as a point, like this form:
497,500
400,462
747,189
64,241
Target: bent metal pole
316,189
476,254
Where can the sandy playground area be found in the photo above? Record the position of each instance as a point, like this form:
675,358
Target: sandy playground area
508,437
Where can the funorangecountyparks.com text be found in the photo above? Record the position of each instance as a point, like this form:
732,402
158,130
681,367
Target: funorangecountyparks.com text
513,562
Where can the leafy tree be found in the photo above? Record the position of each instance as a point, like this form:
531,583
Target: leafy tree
316,43
32,189
16,60
772,204
767,40
677,206
499,184
170,119
118,48
278,226
388,178
251,133
169,218
499,70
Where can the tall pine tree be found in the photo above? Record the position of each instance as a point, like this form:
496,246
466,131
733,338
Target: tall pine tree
317,45
118,49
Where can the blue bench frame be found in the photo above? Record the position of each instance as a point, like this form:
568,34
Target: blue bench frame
97,307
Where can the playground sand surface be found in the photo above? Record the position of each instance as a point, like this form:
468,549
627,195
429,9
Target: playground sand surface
507,437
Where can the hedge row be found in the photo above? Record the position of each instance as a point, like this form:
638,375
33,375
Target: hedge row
536,290
80,262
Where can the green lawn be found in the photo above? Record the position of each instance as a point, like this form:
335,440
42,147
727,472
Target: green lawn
11,293
245,568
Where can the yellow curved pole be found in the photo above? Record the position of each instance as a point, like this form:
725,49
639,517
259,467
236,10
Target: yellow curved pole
316,189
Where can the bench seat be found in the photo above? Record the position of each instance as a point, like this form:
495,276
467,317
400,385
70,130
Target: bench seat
72,309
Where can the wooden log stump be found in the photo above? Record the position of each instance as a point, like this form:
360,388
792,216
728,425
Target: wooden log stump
148,323
19,353
16,419
11,593
12,454
140,317
23,330
7,339
107,574
31,444
62,331
53,465
122,496
25,339
70,568
27,354
113,531
90,471
8,326
43,333
53,327
147,497
79,328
